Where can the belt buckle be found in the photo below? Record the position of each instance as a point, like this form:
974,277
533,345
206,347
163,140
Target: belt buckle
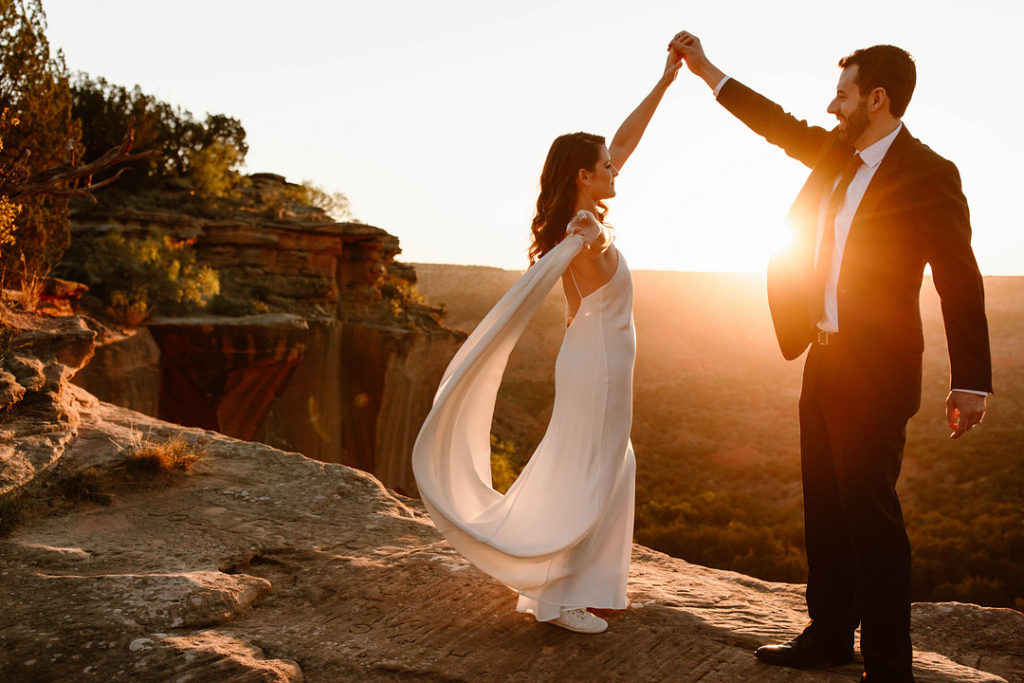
823,337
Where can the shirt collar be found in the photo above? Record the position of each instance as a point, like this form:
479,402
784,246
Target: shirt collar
873,154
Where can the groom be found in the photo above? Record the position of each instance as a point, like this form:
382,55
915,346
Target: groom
877,207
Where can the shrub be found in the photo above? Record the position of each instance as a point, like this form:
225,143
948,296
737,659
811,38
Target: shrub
334,204
281,198
132,278
87,485
8,210
172,456
212,169
237,307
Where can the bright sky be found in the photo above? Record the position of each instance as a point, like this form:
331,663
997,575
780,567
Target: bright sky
434,117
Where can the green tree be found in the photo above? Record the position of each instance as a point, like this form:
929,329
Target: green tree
207,152
212,168
8,210
34,89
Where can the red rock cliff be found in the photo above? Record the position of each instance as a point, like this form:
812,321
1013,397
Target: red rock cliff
346,376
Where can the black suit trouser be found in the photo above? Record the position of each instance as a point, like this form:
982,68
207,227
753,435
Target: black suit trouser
854,406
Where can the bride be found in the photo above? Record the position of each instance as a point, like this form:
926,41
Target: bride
561,535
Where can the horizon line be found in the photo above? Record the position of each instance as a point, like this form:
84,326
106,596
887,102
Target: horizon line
652,270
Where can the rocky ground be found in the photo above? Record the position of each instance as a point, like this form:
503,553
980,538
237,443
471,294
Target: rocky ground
264,565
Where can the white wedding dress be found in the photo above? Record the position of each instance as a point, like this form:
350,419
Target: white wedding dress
562,534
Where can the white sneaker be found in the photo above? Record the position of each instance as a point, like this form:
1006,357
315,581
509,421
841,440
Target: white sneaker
580,621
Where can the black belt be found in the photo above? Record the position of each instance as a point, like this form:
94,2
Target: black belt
824,338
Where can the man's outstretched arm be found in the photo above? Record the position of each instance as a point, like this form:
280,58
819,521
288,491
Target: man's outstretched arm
796,137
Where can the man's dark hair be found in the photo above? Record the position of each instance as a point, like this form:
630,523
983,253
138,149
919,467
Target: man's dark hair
888,67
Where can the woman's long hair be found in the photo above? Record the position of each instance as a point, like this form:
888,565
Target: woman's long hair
556,204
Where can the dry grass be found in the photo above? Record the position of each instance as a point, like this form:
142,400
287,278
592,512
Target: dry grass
89,485
174,456
32,284
146,464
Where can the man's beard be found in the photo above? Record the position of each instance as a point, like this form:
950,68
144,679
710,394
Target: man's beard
856,123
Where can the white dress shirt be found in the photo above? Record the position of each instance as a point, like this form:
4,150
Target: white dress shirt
871,156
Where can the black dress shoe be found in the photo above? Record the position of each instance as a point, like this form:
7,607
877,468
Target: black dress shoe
809,650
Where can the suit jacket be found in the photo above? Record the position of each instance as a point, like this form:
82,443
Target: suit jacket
912,213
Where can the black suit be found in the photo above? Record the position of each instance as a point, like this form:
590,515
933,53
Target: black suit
859,392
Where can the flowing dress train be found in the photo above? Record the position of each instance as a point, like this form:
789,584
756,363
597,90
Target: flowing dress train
562,534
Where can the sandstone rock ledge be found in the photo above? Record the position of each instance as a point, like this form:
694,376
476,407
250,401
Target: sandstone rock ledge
264,565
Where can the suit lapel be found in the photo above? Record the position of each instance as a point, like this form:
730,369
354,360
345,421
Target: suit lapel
789,273
803,214
881,183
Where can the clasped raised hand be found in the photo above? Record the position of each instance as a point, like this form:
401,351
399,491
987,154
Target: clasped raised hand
688,46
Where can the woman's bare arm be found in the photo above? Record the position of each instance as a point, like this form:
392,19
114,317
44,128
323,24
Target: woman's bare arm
632,129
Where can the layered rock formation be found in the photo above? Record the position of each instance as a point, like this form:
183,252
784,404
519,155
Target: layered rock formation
38,356
264,565
348,380
360,396
125,368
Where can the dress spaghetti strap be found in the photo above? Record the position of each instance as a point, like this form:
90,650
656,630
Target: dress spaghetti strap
571,315
573,278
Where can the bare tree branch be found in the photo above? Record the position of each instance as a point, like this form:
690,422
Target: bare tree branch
62,180
87,189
